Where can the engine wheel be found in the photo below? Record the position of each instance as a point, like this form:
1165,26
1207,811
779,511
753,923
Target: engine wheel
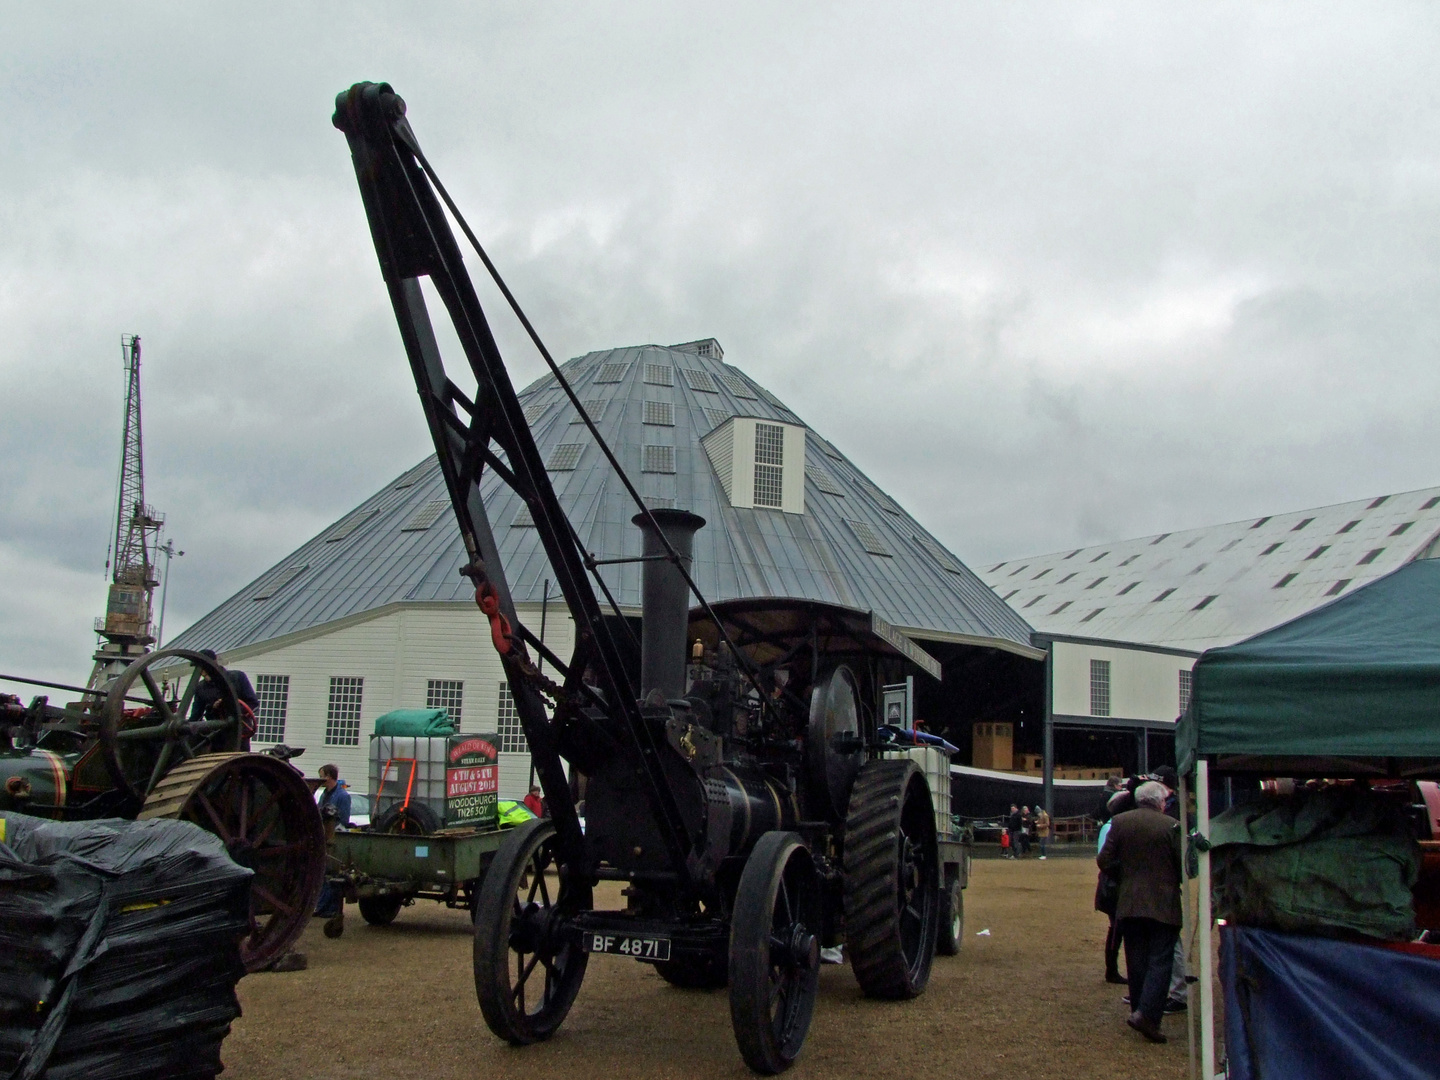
892,880
527,968
262,810
141,745
775,952
952,919
417,819
380,910
694,974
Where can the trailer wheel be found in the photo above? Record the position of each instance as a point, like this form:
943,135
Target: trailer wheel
380,910
952,918
694,974
775,952
892,880
417,819
528,969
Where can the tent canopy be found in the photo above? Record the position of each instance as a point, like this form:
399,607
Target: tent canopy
1357,678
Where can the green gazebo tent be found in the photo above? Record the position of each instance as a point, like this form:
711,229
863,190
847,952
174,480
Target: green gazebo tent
1356,679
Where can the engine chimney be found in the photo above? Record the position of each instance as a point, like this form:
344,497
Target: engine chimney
665,600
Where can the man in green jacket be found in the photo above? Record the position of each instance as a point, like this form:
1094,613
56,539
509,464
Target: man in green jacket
1143,851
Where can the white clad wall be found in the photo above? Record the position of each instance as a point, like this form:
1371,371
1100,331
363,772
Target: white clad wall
1144,685
397,652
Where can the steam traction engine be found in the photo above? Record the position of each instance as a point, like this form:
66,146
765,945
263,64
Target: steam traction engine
753,819
132,751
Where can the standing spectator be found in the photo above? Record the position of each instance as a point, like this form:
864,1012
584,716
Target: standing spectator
1107,895
1112,785
535,802
1176,1001
1143,849
1042,829
334,813
1013,826
1027,830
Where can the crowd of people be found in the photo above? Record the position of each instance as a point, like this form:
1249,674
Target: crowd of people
1139,889
1025,826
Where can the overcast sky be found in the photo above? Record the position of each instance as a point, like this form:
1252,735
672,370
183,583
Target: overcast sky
1052,274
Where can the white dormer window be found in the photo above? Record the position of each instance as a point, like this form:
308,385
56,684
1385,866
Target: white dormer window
759,463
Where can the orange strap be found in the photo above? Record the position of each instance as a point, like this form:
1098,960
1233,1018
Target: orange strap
489,602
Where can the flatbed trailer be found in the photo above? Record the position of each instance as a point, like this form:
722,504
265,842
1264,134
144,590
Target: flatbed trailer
383,872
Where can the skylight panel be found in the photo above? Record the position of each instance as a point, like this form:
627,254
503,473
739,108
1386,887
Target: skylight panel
1197,569
523,520
940,555
1067,577
1284,581
278,580
1074,553
1402,527
347,528
1041,574
823,480
594,408
1009,594
658,459
1035,601
1157,539
1302,524
1203,604
1097,581
699,380
1162,596
1127,561
612,373
1092,614
659,502
536,411
426,516
1318,551
737,386
1102,554
1127,588
1369,557
1230,545
1338,587
660,413
1378,502
716,417
1431,502
565,457
1018,569
868,538
1061,608
1272,549
659,374
1262,521
997,566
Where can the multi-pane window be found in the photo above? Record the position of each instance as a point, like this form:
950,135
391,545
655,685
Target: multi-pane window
1185,676
659,374
1099,687
658,459
507,724
447,694
769,464
342,716
274,694
661,413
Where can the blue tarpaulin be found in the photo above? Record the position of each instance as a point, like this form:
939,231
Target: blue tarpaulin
1322,1009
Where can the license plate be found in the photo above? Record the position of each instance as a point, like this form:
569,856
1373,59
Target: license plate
640,947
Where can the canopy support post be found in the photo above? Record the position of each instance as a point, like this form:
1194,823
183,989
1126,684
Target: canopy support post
1189,929
1205,923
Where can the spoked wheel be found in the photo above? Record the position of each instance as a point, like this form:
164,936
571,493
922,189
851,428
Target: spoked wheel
528,969
892,880
775,952
140,745
262,810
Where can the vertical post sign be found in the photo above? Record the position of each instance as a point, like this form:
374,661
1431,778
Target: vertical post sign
472,781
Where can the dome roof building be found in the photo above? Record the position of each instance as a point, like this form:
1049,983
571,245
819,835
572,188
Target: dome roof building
788,515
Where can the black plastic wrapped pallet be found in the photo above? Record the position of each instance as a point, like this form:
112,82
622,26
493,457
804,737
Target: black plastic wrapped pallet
119,948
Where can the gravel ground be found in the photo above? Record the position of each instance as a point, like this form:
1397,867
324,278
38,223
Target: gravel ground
1026,1001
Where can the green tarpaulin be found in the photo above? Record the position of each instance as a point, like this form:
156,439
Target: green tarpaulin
1359,677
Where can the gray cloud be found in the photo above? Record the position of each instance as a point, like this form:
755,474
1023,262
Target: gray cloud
1051,274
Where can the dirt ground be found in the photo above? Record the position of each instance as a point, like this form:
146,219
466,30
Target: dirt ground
1026,1001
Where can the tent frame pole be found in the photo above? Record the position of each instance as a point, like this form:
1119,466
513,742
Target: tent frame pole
1188,932
1206,923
